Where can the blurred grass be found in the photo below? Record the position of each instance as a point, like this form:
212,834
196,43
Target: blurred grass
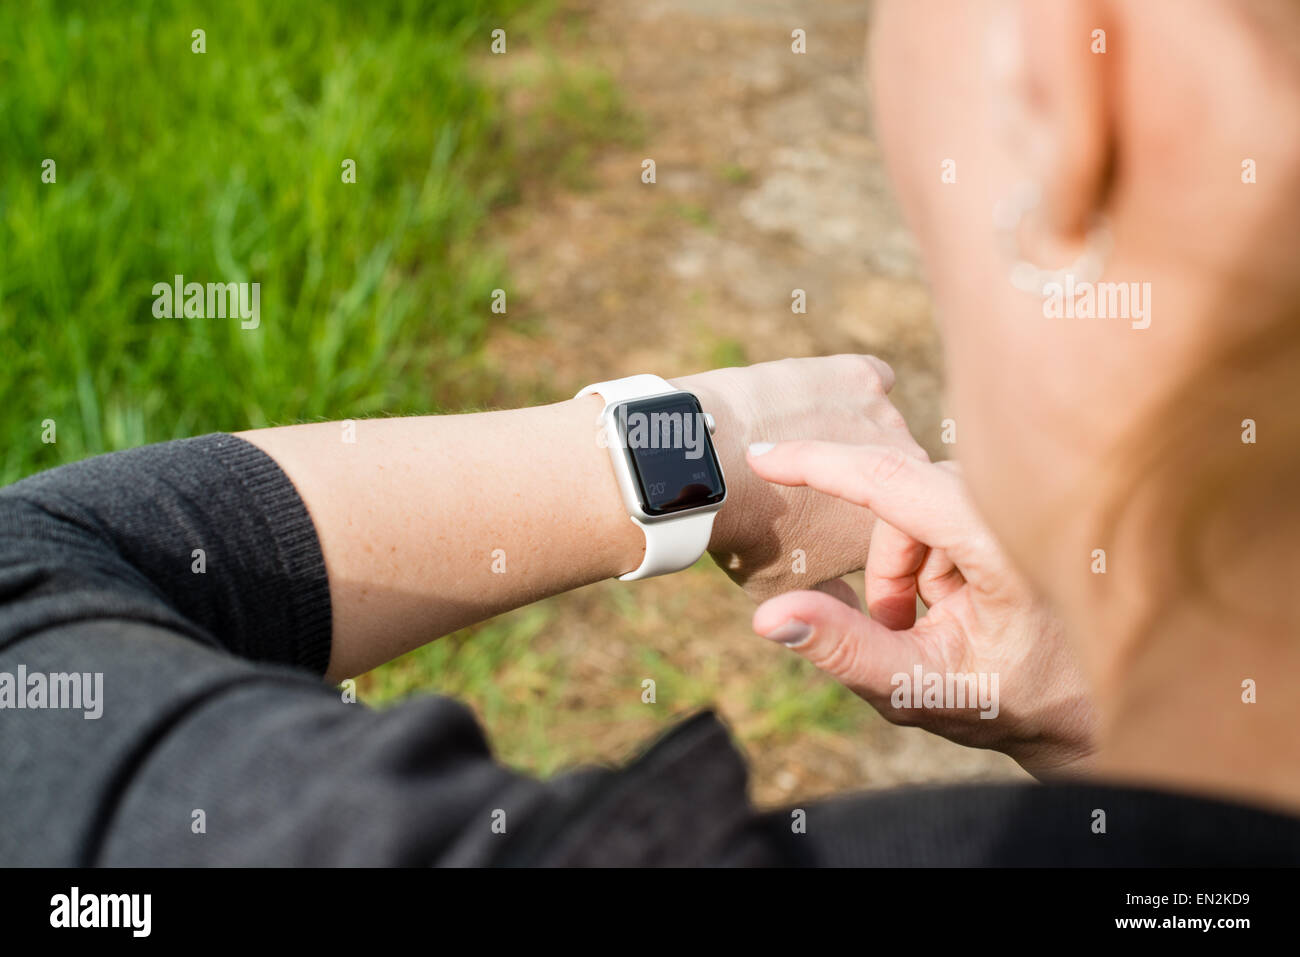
584,109
226,166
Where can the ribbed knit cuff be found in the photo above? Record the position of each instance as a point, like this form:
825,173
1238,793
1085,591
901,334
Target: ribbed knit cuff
304,631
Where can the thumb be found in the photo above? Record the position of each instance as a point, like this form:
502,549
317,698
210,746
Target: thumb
840,640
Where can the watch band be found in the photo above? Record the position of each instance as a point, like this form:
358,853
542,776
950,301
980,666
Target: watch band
673,543
632,387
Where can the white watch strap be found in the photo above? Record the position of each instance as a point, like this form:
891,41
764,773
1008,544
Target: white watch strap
675,543
632,387
672,545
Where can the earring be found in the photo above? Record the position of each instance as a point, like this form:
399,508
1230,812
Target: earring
1029,277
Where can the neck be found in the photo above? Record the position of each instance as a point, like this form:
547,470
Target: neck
1191,637
1200,704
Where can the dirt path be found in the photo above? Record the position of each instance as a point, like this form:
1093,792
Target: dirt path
768,180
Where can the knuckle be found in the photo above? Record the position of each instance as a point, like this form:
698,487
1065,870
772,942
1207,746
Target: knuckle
864,371
839,657
892,460
985,555
890,418
884,372
870,376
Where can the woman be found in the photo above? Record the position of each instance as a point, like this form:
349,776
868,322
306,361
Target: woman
1135,467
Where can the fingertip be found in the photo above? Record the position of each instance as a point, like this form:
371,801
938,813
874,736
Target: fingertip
782,462
777,611
760,448
810,607
769,460
769,615
791,633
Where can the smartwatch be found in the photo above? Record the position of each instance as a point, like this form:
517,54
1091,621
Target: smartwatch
660,442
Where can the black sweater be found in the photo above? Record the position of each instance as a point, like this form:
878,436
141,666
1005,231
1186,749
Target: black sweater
174,600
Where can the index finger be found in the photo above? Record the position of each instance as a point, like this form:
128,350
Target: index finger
918,498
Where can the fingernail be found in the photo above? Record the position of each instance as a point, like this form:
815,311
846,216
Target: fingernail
793,632
758,448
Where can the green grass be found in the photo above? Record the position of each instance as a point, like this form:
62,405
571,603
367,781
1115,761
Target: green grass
735,174
579,109
226,166
695,214
728,352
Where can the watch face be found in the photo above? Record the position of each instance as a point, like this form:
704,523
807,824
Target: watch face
670,452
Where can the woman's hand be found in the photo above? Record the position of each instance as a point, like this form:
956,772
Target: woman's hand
771,539
982,617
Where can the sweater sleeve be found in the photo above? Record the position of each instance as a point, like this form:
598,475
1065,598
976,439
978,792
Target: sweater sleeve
206,537
164,625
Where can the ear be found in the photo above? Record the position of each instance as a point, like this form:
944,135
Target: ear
1055,96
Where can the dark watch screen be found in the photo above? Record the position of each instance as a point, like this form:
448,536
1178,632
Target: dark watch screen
671,453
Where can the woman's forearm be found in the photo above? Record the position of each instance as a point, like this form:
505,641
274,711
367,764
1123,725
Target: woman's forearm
431,523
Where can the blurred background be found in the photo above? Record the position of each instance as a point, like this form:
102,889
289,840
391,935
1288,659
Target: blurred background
474,171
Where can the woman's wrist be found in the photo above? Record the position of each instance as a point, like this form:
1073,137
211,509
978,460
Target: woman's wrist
625,538
623,542
731,438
